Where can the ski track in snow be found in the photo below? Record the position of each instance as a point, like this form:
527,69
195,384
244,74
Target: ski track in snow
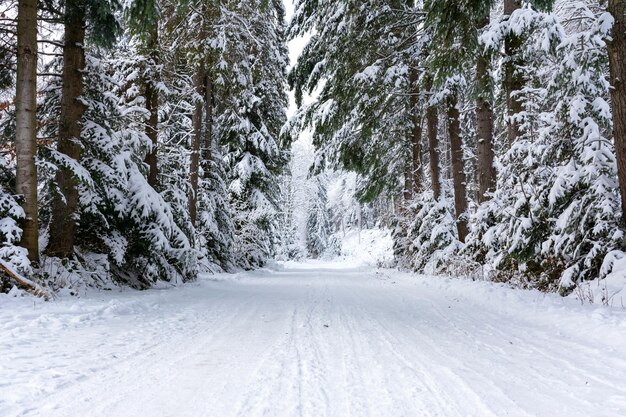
313,340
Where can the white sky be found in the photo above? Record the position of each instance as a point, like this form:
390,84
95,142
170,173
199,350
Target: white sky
295,47
289,8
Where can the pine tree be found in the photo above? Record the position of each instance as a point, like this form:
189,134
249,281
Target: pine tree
249,120
143,18
366,118
617,52
318,236
26,124
103,28
556,181
513,78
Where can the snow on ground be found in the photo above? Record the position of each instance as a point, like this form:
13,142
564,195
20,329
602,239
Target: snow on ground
610,290
369,247
313,340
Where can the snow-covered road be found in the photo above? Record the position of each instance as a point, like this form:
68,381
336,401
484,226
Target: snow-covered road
313,340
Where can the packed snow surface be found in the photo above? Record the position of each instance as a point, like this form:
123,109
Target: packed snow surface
313,340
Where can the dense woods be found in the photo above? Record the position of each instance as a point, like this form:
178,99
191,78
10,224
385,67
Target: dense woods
494,127
140,142
149,141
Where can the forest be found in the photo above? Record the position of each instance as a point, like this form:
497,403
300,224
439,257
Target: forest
148,141
312,208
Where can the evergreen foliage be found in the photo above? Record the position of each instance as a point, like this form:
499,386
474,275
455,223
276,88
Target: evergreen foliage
175,160
132,231
318,236
552,218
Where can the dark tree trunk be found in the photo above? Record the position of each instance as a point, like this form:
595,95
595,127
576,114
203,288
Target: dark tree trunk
617,62
432,122
64,203
416,132
196,140
484,126
514,80
26,123
152,105
458,168
407,192
208,126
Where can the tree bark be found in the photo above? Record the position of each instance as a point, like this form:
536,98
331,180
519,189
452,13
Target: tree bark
416,132
23,282
407,191
65,201
196,139
207,144
617,64
484,126
514,80
26,123
152,105
458,168
432,122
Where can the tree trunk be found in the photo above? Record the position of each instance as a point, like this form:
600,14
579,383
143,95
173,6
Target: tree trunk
407,191
617,63
416,132
458,168
65,201
207,144
432,122
26,124
484,126
152,105
514,80
196,139
23,282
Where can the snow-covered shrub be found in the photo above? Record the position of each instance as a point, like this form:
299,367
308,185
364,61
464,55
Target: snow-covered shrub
425,236
318,236
10,231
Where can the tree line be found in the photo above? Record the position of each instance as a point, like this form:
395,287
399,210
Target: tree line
140,141
494,128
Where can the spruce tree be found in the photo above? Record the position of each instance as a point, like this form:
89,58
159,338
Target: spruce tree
617,54
103,27
318,231
26,124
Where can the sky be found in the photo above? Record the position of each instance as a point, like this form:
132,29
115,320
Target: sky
288,8
295,47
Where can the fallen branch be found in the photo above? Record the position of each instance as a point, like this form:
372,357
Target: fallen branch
23,282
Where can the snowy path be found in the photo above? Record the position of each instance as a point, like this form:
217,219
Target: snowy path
313,341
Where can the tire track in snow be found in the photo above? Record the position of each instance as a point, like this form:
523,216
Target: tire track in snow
415,377
260,347
292,381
